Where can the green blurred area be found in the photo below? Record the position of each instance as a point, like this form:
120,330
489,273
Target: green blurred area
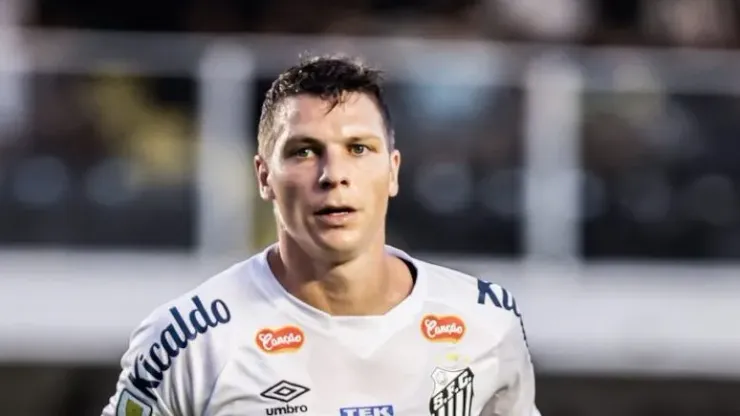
265,232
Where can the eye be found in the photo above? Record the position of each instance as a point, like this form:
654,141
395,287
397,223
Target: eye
358,149
303,152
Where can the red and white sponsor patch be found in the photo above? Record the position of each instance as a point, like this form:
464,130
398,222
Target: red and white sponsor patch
285,339
448,328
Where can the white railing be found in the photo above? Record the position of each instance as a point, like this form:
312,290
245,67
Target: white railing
657,319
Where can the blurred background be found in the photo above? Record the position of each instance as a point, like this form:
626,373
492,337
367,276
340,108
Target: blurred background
583,153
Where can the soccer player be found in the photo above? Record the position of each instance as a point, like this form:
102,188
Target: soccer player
330,320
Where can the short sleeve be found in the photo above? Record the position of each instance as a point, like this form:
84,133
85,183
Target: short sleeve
517,397
151,371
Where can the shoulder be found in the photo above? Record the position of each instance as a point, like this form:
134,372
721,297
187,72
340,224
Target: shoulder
188,329
206,306
213,303
450,285
486,303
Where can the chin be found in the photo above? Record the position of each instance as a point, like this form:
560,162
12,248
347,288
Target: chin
338,243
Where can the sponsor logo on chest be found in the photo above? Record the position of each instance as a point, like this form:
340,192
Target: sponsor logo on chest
286,392
286,339
448,328
386,410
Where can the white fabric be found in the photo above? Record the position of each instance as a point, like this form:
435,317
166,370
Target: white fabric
454,347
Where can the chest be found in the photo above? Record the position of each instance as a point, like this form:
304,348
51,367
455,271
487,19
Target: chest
332,375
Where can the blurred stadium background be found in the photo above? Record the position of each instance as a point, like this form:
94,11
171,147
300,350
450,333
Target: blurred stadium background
584,153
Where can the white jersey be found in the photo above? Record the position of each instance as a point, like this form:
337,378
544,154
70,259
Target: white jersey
240,345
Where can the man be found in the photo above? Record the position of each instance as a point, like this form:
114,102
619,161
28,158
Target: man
330,320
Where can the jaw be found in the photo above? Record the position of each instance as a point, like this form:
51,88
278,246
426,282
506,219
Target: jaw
335,245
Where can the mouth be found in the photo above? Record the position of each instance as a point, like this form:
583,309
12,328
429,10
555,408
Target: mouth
330,211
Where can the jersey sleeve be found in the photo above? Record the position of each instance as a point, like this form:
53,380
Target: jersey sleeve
517,396
150,369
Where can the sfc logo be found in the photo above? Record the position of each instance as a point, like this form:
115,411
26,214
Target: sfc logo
453,393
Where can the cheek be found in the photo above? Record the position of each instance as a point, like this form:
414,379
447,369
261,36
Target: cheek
289,190
381,184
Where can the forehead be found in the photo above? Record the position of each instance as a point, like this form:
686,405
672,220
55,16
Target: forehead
355,115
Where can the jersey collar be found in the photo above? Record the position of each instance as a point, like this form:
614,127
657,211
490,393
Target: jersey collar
305,314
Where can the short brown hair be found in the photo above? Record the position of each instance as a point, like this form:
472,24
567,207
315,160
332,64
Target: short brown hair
327,77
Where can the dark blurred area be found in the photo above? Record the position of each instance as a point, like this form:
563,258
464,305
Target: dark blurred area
662,176
107,160
709,23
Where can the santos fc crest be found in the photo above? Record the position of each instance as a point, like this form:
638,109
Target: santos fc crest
453,393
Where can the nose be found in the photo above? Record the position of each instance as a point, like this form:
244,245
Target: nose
334,172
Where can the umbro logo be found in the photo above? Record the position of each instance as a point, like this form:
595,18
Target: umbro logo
285,392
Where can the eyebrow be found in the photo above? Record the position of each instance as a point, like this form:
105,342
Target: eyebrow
371,137
301,138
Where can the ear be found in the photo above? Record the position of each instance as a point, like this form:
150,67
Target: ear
262,172
395,167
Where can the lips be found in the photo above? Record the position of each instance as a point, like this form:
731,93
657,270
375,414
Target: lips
335,210
335,216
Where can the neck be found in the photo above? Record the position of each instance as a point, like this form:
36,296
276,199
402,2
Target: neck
371,283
